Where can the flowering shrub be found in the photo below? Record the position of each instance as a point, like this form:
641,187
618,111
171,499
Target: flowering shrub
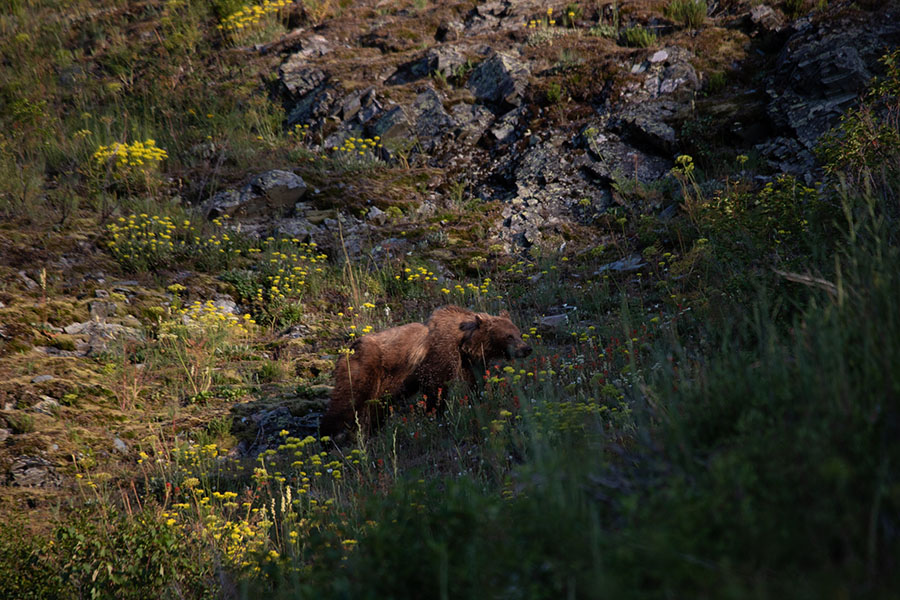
250,16
133,164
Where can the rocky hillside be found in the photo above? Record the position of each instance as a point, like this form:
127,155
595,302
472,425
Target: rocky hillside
545,114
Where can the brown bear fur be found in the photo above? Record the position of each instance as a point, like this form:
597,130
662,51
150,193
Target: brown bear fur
454,345
461,344
380,364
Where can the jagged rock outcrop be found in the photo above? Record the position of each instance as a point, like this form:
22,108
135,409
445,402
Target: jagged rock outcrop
819,74
475,105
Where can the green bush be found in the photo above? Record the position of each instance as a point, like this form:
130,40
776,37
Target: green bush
867,141
690,13
113,556
637,37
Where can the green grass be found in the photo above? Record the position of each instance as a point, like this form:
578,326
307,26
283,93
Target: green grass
690,13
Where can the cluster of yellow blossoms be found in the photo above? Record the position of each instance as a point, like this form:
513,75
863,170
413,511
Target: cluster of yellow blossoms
359,146
208,315
249,15
130,157
288,270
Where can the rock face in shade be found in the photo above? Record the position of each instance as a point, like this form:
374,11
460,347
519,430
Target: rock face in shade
819,74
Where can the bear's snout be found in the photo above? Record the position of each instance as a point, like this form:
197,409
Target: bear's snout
521,351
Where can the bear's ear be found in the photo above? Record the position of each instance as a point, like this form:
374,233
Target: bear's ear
504,314
472,325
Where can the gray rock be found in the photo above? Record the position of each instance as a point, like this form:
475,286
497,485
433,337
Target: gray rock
789,156
30,283
298,78
500,80
309,95
281,189
299,228
631,263
102,294
75,328
47,406
765,17
313,46
377,216
425,120
96,335
101,309
33,471
553,321
432,123
665,72
4,435
506,127
41,378
609,158
273,193
659,56
392,125
644,125
472,121
445,60
448,31
119,445
391,248
820,73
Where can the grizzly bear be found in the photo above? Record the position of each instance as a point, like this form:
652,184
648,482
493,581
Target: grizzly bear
455,344
461,344
379,365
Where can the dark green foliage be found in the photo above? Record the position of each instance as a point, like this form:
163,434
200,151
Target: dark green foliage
690,13
637,37
114,557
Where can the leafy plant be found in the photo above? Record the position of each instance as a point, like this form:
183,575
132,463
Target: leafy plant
690,13
555,92
637,37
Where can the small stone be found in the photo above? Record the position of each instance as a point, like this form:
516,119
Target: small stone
30,283
41,378
631,263
74,328
766,18
4,434
120,445
33,471
377,216
553,321
659,56
47,406
101,309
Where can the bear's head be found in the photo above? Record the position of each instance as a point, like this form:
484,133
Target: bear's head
494,337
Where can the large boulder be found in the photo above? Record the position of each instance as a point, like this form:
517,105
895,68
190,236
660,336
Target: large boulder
273,193
425,121
445,60
500,80
33,471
